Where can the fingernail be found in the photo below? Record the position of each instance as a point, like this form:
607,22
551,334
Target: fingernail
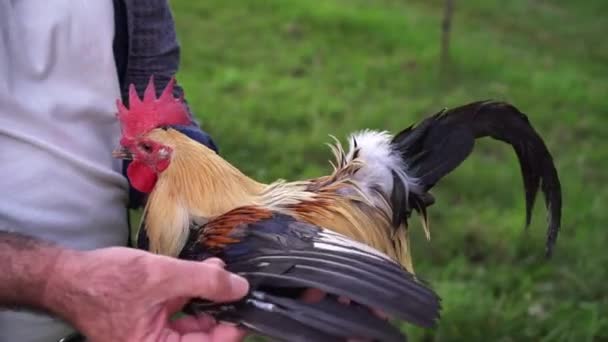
239,284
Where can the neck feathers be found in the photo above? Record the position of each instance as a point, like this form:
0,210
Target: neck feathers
197,185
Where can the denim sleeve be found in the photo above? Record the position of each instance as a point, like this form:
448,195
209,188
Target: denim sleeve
151,48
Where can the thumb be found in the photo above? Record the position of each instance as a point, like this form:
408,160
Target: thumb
207,280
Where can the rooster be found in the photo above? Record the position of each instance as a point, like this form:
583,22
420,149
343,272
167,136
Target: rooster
345,234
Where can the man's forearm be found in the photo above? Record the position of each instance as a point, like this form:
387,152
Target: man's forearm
26,264
114,293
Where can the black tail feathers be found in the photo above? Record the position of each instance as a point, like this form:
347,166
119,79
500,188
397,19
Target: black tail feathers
437,145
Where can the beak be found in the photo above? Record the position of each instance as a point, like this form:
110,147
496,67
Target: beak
122,153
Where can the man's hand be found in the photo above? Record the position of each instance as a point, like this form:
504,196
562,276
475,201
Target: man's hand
122,294
116,294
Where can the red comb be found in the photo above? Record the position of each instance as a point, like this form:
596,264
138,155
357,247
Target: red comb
143,115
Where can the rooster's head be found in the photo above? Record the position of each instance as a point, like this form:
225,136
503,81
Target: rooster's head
143,125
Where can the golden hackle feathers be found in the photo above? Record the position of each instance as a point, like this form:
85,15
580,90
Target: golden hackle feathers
198,183
167,221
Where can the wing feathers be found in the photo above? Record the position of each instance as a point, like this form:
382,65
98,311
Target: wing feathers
337,319
273,324
407,304
282,257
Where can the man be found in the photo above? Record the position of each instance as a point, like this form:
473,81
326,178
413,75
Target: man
63,206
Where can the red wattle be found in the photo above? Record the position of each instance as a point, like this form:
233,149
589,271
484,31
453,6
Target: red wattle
142,177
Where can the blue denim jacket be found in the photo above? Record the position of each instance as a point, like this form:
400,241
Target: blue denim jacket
145,43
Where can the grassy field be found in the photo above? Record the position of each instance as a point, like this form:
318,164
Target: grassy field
270,80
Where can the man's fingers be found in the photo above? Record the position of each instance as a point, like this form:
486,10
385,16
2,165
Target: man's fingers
189,324
380,314
313,295
214,261
176,304
206,280
219,333
344,300
227,333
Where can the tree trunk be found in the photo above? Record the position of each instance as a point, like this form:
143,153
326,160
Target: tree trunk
446,27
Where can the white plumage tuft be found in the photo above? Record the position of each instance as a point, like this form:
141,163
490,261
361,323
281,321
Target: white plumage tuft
379,160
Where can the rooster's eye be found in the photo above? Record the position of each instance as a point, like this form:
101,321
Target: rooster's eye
146,147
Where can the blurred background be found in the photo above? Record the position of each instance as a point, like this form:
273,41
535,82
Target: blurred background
271,79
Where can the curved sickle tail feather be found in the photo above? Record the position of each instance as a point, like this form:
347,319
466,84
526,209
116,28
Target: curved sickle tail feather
440,143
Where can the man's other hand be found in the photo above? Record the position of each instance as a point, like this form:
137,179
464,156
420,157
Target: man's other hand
123,294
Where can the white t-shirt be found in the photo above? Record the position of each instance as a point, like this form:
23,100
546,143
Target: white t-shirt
58,180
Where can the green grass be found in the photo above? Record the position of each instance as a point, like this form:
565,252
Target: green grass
270,80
